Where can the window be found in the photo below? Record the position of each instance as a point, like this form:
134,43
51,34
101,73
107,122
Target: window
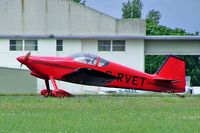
16,45
31,45
85,58
118,45
59,45
104,45
23,45
103,62
91,59
108,45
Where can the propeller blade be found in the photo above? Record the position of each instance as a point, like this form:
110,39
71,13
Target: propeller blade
26,57
21,65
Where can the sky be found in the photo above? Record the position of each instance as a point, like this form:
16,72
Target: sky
184,14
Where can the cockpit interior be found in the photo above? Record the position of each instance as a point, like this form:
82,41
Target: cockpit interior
91,59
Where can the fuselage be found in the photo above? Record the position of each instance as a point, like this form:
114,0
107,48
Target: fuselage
128,78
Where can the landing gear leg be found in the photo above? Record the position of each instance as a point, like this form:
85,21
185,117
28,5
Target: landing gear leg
47,86
58,92
46,92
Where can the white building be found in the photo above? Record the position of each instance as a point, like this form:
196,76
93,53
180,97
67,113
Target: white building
62,27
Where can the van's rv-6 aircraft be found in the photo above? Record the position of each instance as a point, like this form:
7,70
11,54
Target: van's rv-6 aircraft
90,69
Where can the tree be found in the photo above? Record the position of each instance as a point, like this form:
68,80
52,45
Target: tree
197,33
79,1
153,62
132,9
153,28
154,15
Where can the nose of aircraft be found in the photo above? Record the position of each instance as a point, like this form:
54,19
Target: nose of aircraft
24,59
21,59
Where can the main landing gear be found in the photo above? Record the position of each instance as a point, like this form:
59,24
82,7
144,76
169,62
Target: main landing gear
54,93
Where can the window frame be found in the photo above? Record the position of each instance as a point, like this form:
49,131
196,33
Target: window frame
112,46
104,45
59,45
118,45
15,46
30,46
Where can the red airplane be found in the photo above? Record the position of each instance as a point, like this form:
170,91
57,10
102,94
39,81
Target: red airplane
89,69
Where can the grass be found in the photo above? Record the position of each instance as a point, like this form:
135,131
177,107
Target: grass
97,114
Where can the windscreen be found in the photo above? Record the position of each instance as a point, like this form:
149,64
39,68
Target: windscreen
85,58
91,59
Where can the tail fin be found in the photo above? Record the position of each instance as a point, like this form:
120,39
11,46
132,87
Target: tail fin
173,69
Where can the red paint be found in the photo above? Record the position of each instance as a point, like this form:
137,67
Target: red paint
92,70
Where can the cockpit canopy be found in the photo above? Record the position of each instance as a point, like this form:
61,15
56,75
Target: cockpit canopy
91,59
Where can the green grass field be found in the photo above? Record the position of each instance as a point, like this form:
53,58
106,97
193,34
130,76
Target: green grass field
100,114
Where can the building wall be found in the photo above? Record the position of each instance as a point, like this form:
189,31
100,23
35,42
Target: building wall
16,81
47,47
70,46
65,18
61,17
132,57
176,47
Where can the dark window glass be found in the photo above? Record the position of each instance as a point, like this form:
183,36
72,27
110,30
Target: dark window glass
118,45
104,45
31,45
16,45
59,45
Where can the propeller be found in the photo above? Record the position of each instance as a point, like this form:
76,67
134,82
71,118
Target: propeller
21,65
25,58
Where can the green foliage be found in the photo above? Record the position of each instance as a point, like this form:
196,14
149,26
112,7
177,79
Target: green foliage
196,33
153,62
80,1
154,16
132,9
193,68
153,28
35,114
77,1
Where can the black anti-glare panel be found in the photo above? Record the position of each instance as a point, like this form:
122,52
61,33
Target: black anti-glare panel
89,77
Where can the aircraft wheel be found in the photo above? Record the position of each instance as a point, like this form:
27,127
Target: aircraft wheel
60,93
45,92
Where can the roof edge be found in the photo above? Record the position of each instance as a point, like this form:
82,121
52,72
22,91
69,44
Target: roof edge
143,37
172,38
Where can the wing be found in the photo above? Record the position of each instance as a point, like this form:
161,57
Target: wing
89,77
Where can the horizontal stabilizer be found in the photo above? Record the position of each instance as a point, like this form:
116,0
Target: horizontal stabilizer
167,80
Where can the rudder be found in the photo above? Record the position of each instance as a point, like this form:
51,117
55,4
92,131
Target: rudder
173,69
